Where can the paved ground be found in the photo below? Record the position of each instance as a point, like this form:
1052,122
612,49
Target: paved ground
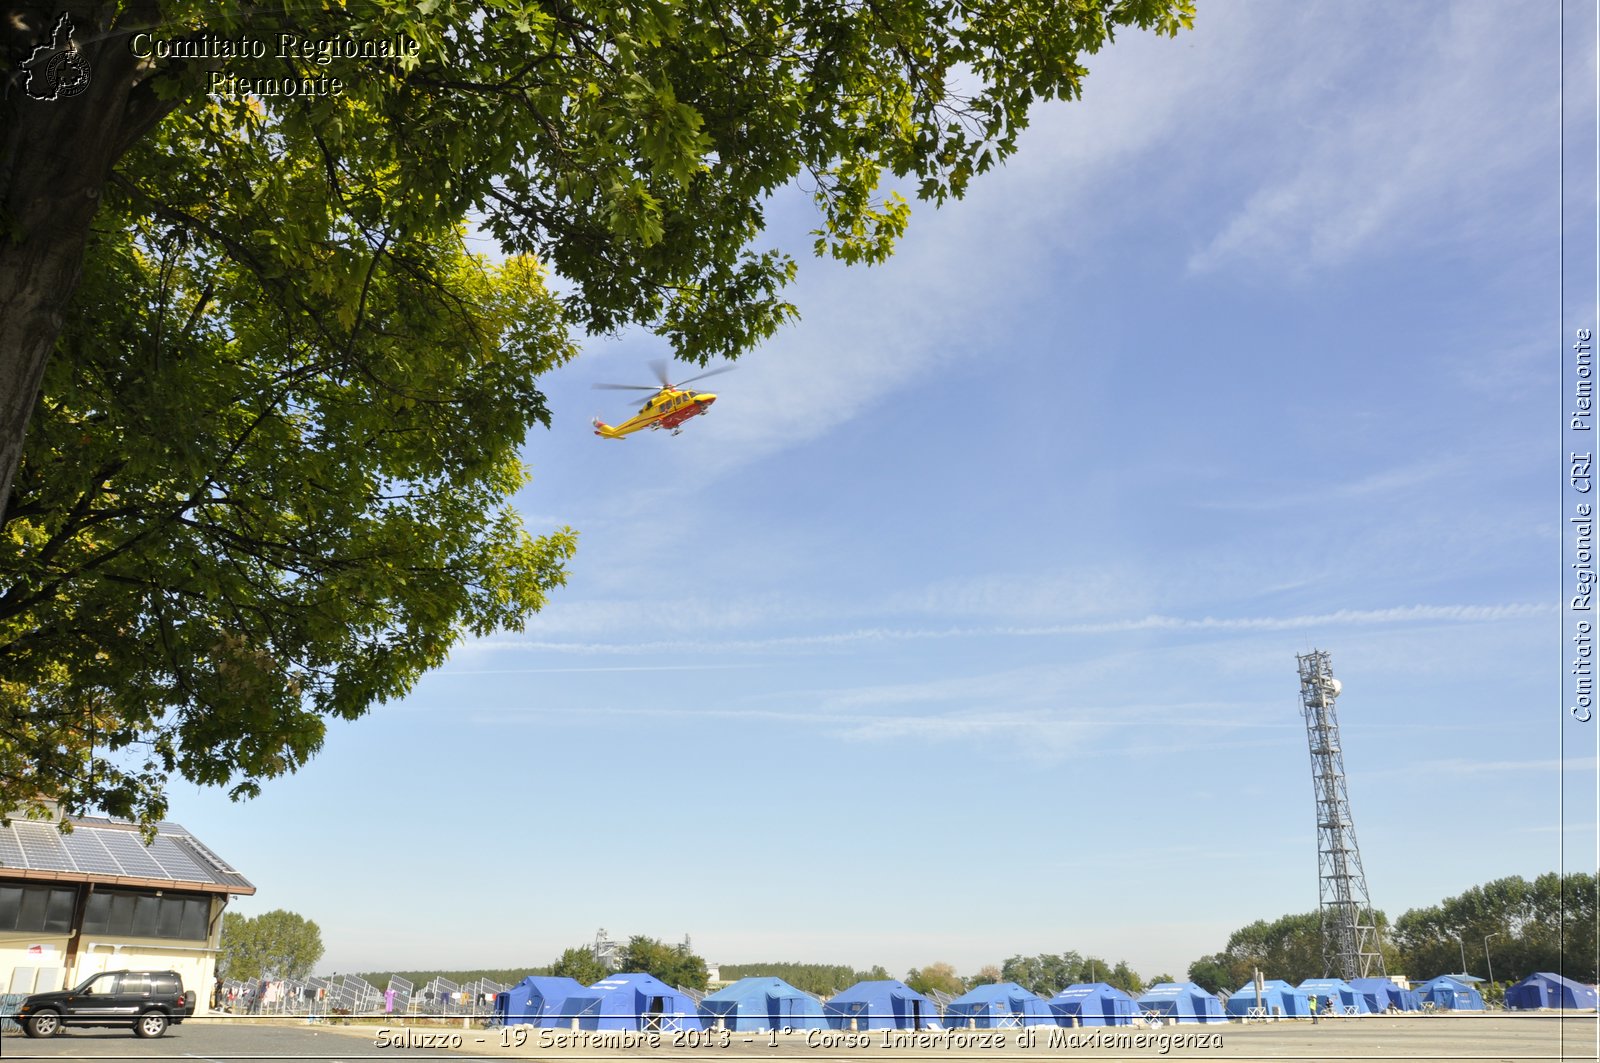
1501,1038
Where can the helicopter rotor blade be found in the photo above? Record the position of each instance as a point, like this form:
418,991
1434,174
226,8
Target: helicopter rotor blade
659,365
702,376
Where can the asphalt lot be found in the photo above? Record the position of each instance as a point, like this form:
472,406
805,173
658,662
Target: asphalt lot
1503,1038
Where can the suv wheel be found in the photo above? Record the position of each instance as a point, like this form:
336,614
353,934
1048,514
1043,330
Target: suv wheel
42,1024
151,1024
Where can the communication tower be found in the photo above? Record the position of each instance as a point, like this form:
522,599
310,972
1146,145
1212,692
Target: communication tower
608,952
1350,943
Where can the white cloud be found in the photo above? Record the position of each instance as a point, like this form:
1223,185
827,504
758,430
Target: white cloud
1023,596
1405,478
1461,614
1421,141
867,333
1459,766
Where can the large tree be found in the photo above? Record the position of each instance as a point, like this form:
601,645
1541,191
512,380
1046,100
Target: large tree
988,974
275,944
1213,973
1289,947
1045,974
939,976
581,964
1515,926
1125,978
675,965
1048,974
277,406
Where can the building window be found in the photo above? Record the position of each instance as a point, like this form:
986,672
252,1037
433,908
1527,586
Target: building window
196,920
37,909
145,915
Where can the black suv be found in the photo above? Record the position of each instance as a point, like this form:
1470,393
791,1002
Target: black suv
147,1001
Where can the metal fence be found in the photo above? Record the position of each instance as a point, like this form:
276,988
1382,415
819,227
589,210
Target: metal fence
8,1007
312,998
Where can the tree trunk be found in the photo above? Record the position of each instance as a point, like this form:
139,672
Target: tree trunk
55,157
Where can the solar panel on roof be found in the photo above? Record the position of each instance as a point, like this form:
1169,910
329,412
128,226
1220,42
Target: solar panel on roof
177,863
110,848
131,854
10,848
89,856
42,848
220,872
190,842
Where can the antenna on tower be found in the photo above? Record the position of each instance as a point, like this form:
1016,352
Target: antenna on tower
1350,942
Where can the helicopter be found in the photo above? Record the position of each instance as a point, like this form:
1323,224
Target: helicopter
669,407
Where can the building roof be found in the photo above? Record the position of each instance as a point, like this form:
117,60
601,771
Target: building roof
111,852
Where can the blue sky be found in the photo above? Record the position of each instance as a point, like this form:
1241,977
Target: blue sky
965,624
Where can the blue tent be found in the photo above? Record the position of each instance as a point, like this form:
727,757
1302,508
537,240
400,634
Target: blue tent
997,1007
535,1001
1277,997
1380,994
762,1004
1093,1004
1181,1002
1447,993
1545,990
630,1002
888,1005
1344,996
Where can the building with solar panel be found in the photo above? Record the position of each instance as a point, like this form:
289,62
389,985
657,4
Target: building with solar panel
99,899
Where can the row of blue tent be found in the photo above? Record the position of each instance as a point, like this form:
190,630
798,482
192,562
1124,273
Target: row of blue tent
621,1002
643,1002
1370,996
1360,996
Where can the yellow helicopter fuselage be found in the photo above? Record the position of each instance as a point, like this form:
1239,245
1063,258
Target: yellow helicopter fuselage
667,408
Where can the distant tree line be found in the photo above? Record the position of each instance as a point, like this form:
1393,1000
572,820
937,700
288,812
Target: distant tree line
1048,974
819,979
1516,926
